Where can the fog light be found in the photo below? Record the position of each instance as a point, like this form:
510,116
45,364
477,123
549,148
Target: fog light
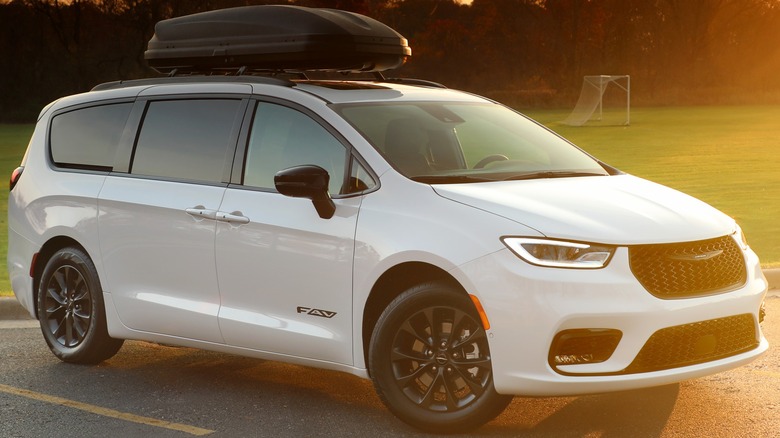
583,346
573,359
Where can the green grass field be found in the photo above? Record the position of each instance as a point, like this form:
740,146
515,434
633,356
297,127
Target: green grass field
726,156
13,142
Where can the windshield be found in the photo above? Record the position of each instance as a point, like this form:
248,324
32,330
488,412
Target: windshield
447,142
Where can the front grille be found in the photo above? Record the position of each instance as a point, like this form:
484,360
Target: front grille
689,269
694,343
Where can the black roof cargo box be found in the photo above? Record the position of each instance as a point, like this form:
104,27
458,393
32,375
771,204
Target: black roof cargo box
275,37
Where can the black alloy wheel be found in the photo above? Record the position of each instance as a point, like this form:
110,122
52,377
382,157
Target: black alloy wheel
67,306
71,311
430,361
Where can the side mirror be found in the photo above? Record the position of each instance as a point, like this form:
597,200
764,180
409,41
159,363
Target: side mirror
309,182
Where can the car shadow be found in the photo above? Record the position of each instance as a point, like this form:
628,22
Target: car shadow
636,413
275,393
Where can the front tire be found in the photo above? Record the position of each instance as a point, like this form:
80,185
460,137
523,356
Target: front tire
71,310
430,361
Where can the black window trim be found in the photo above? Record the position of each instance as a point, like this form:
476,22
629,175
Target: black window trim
82,168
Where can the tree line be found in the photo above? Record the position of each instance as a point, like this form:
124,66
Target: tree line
528,53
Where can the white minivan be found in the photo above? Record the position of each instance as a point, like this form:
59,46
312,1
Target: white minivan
445,246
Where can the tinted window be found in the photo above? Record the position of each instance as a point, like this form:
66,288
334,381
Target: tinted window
282,138
186,139
88,138
359,179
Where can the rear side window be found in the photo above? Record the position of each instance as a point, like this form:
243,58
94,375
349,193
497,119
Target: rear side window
186,139
87,138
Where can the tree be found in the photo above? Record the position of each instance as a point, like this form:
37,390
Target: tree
528,52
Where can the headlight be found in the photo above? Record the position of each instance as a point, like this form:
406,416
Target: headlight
739,236
560,254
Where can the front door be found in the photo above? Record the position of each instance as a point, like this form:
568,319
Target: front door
285,274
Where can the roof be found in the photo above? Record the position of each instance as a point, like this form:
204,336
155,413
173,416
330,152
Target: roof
332,91
350,92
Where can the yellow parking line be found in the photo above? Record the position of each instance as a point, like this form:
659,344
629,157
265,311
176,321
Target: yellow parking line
192,430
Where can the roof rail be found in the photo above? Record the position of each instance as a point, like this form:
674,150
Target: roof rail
413,81
269,80
363,76
243,70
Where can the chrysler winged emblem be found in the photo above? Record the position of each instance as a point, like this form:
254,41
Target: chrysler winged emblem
697,257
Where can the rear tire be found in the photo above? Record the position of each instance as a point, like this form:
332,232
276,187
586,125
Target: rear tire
430,362
71,310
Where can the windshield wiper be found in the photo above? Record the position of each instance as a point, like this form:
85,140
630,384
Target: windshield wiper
552,174
456,179
449,179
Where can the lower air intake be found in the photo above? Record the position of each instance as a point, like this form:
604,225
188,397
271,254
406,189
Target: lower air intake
699,342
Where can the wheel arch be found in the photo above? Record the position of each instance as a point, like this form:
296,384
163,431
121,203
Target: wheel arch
392,283
42,258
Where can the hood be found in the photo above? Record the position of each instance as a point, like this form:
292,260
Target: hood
620,210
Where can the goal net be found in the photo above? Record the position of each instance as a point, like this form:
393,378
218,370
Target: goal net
590,105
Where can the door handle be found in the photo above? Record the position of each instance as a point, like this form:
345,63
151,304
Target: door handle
202,212
233,218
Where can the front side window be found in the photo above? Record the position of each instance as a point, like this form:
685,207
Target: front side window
440,142
87,138
186,139
283,137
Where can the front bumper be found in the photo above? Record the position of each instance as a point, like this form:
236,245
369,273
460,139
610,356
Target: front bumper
527,306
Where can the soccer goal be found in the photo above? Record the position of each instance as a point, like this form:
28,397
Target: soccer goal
590,105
